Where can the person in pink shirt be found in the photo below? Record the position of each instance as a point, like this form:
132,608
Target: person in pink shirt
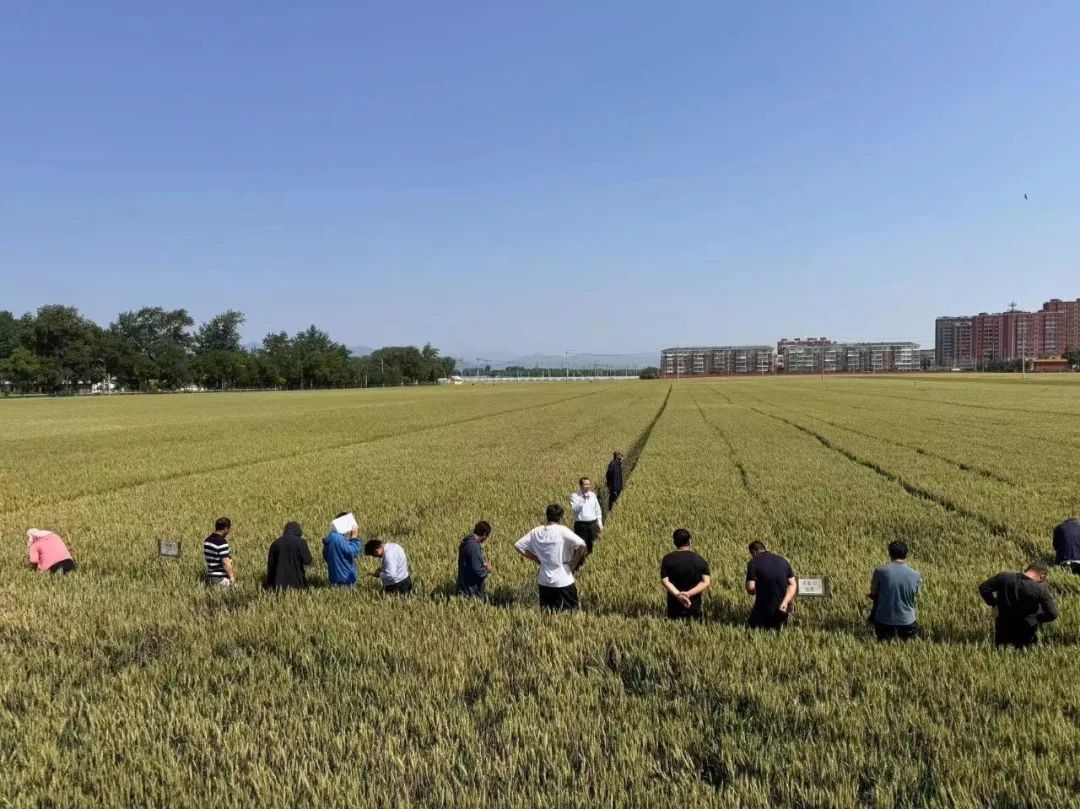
48,553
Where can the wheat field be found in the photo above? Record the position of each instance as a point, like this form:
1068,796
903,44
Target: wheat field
130,684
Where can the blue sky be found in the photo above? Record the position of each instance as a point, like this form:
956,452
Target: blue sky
500,177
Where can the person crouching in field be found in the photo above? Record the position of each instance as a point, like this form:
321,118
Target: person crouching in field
394,571
1023,603
289,555
685,576
893,589
48,553
1067,545
558,552
340,549
771,581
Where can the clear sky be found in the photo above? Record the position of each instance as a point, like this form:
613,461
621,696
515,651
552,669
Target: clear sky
521,177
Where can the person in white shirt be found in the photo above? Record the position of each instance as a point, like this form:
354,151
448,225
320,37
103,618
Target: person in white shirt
588,519
558,552
394,572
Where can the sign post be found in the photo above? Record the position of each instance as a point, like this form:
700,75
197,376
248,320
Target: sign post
814,586
168,548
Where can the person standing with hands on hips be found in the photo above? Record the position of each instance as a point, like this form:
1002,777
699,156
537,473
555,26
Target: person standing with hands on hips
558,552
588,519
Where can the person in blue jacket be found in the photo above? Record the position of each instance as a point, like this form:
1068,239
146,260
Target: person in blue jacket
340,549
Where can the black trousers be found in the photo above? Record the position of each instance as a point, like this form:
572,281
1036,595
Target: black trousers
588,531
65,567
613,497
559,599
401,588
889,632
1018,636
772,620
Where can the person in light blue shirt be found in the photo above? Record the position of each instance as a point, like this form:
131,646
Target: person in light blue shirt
893,589
394,572
340,549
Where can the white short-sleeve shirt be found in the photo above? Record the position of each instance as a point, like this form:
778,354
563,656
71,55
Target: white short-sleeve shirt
554,546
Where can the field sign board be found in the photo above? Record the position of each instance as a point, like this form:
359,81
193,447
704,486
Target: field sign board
168,547
814,586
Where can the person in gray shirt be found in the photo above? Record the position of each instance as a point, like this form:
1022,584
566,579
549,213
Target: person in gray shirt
893,589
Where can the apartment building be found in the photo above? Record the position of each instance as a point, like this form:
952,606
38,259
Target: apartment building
953,342
717,361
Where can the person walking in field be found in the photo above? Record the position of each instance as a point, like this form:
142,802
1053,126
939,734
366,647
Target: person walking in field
588,520
340,549
1023,604
218,556
472,569
685,576
614,479
771,581
48,553
289,555
1067,545
893,589
558,552
394,571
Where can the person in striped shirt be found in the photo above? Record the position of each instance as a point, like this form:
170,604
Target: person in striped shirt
219,564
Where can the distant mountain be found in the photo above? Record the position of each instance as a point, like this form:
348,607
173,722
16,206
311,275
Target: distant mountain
360,351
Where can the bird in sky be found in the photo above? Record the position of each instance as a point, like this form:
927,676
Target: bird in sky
1025,196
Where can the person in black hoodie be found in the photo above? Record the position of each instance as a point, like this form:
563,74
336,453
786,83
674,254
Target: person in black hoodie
289,554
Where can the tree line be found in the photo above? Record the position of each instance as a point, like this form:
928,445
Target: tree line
58,350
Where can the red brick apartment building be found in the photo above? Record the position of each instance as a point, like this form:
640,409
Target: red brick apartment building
963,342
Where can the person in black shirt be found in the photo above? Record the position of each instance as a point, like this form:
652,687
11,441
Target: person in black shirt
1067,545
770,580
472,569
288,556
685,576
1023,604
614,479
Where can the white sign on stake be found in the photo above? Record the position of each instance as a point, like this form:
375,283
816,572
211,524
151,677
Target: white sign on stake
168,547
815,586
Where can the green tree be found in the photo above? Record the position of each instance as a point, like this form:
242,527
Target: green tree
152,336
68,342
21,369
220,360
9,334
220,333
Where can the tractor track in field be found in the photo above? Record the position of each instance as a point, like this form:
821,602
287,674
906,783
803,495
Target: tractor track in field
988,474
744,476
951,403
175,476
633,453
963,467
993,526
